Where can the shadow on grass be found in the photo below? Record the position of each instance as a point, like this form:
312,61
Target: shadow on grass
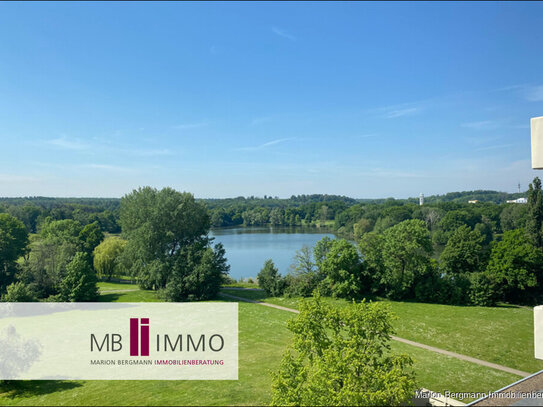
109,297
28,388
248,294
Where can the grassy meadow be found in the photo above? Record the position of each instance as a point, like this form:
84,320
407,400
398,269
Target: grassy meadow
263,337
502,335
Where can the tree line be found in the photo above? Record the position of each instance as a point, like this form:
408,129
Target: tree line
339,212
446,250
164,245
443,253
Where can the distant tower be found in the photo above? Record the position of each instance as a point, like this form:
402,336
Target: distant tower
421,199
519,187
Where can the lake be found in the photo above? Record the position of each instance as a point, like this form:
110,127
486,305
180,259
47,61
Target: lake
248,248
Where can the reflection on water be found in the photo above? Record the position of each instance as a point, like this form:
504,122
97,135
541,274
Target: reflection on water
248,248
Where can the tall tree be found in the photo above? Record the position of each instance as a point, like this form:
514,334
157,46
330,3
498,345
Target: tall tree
463,252
108,257
343,270
90,236
51,252
371,248
79,284
406,253
13,244
167,233
534,222
516,266
304,277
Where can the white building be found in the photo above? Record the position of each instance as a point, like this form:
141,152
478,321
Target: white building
520,201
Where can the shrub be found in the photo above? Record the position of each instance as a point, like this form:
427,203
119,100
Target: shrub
270,280
18,292
482,291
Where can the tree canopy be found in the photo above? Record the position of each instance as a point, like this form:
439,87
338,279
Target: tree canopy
341,357
168,245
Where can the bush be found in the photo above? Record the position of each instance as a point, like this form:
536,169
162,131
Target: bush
454,289
199,277
482,291
304,277
18,292
270,280
300,285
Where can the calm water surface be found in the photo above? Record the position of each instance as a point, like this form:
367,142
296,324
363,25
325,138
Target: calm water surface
248,248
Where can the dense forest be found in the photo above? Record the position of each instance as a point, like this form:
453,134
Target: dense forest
340,212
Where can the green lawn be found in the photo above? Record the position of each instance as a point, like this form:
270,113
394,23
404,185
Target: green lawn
240,284
262,338
262,335
502,335
106,285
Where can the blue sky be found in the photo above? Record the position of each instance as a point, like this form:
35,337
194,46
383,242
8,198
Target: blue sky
226,99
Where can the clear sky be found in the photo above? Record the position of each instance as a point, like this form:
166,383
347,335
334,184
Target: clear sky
226,99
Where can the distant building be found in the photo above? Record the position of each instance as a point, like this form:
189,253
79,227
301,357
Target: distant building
473,201
520,201
421,199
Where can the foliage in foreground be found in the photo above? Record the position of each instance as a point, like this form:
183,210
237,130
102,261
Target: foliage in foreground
341,356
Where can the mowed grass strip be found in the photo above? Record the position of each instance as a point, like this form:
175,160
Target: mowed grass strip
502,335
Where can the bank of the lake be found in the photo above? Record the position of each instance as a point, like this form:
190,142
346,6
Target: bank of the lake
247,248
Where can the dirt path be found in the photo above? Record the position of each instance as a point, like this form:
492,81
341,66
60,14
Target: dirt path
407,341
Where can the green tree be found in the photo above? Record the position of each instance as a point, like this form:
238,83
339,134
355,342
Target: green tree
51,252
341,356
452,220
13,244
406,253
304,277
79,284
513,216
482,290
270,280
61,231
516,267
108,257
371,249
534,222
199,273
321,249
90,236
167,233
18,292
362,227
28,214
463,252
343,270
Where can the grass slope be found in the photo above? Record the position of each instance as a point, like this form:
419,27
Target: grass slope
262,338
502,335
